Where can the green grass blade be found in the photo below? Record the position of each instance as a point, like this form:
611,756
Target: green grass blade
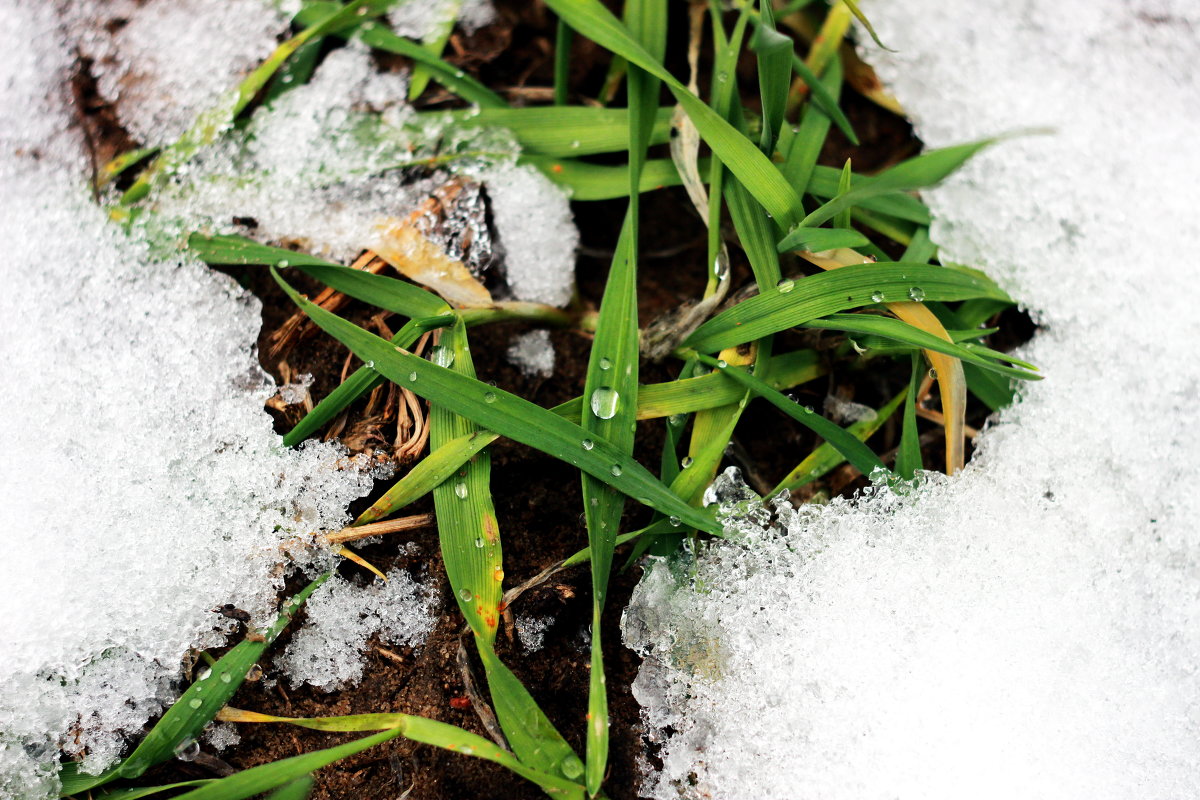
866,23
775,53
466,519
562,131
563,36
256,780
737,152
817,239
194,709
532,736
146,791
846,443
417,729
842,218
442,462
392,294
908,457
823,98
686,395
587,181
824,183
826,457
802,148
449,76
927,169
298,789
611,383
505,413
434,45
890,328
833,291
362,380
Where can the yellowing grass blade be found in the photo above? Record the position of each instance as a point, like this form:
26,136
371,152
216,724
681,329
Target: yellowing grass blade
952,384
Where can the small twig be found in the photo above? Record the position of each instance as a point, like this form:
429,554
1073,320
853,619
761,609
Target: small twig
378,529
388,654
487,717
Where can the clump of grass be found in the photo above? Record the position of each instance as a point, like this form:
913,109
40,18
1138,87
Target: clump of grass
761,170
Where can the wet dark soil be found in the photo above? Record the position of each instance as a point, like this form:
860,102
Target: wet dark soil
538,503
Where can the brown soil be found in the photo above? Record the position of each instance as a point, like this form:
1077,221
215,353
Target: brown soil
537,504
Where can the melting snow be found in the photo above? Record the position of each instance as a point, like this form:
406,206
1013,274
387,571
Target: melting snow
533,352
142,482
328,651
1031,628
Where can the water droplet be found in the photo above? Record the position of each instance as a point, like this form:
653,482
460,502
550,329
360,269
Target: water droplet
675,522
720,268
283,263
412,376
571,766
605,363
195,702
933,374
442,356
255,673
575,145
722,363
498,573
479,543
785,285
616,470
187,750
370,365
489,397
677,419
722,76
808,409
876,296
587,444
604,402
687,462
916,293
466,750
204,675
226,677
460,489
465,594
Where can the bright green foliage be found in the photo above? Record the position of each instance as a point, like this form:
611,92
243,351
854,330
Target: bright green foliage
761,167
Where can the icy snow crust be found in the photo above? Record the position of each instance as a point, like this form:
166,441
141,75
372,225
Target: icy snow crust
142,482
1030,629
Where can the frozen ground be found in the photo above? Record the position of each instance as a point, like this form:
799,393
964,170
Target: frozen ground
1030,629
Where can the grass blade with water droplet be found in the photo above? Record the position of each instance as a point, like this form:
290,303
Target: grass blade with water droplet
194,709
504,413
833,291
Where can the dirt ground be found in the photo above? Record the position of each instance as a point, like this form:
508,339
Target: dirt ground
539,511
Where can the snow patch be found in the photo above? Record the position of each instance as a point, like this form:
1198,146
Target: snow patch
328,652
533,353
1030,628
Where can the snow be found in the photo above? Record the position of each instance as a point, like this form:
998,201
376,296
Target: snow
162,62
336,149
535,228
143,484
1030,628
533,353
328,652
422,19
